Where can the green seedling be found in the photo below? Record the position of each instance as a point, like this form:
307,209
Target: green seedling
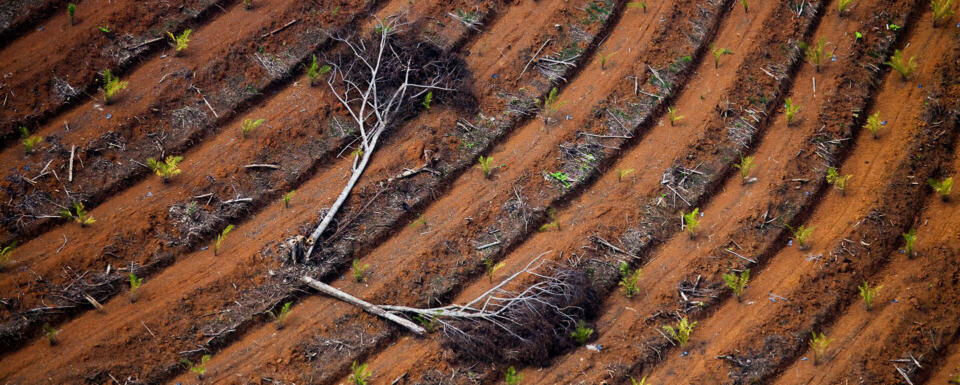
30,143
287,197
167,168
315,71
745,165
843,6
746,6
199,369
868,294
909,238
790,110
359,374
680,333
420,221
874,124
858,35
248,4
623,172
5,254
904,67
561,177
802,234
582,333
492,267
819,343
942,10
718,53
71,10
604,58
78,214
691,221
551,104
737,283
428,322
643,381
838,181
248,125
814,53
180,41
359,271
674,116
221,237
134,287
954,379
105,29
554,222
629,279
942,187
511,377
427,100
638,4
51,334
281,316
111,85
486,165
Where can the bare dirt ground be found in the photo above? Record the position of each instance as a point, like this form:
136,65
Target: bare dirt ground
575,136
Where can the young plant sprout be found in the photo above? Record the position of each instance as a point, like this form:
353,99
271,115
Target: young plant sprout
221,237
790,110
843,6
638,4
428,322
5,253
78,214
248,4
561,177
942,187
604,58
819,343
582,333
281,316
801,234
680,333
427,100
838,181
623,172
874,124
249,125
199,369
30,143
51,334
360,271
315,71
814,53
486,165
492,267
511,377
359,374
909,238
551,104
420,221
868,293
287,197
71,9
554,223
903,66
942,10
745,165
629,280
737,283
691,221
746,6
718,53
643,381
180,41
135,287
166,169
674,116
111,85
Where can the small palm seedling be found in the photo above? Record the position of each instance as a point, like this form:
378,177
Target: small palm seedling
718,53
691,221
315,71
220,238
623,172
629,280
248,4
551,104
903,66
111,85
942,10
604,57
954,379
554,222
802,234
200,368
680,333
582,333
78,214
790,110
838,181
643,381
486,165
745,165
420,221
843,6
909,238
868,294
280,317
819,343
942,187
814,53
51,334
674,116
873,124
492,267
737,283
30,143
359,374
359,270
561,177
746,6
638,4
287,197
427,100
180,41
5,253
135,287
166,169
511,377
71,9
249,125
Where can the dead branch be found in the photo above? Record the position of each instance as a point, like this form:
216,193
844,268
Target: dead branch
263,165
366,306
